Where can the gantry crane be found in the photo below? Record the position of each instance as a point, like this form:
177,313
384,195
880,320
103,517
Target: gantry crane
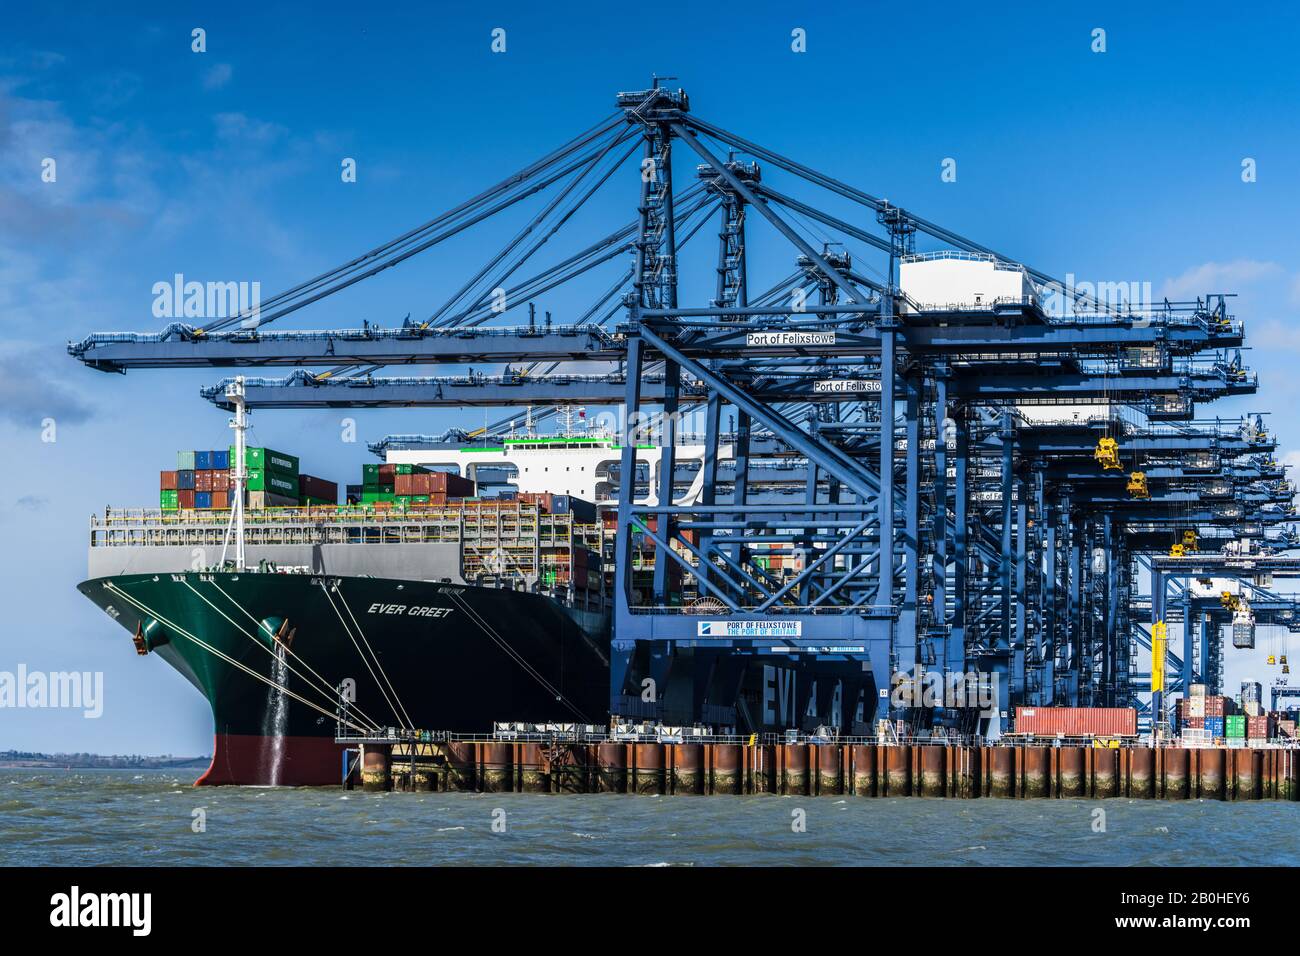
978,485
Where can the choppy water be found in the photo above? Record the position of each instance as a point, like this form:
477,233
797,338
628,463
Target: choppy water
77,818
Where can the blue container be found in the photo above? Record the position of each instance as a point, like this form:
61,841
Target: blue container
220,460
203,461
203,499
583,511
1214,726
185,480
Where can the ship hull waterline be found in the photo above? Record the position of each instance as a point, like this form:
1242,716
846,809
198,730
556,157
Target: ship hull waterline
413,654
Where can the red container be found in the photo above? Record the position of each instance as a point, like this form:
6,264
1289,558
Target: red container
387,473
221,500
1077,721
185,498
314,487
445,483
1217,707
1259,727
203,481
402,485
167,480
1192,723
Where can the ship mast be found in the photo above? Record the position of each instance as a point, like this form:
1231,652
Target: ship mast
235,393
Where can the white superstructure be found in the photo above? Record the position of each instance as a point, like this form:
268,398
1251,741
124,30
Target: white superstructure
962,280
580,465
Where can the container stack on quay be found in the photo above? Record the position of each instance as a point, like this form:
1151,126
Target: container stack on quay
1204,717
1252,698
1245,723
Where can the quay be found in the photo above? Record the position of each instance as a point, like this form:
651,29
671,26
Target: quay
839,768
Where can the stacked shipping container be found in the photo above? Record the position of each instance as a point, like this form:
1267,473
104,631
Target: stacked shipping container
201,480
272,478
317,491
1211,716
406,485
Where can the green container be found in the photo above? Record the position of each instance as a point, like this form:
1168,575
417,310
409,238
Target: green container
314,502
261,479
420,499
409,470
402,500
386,489
369,497
267,459
1235,725
168,500
370,476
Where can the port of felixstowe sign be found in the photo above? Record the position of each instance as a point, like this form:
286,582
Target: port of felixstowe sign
839,385
748,628
758,339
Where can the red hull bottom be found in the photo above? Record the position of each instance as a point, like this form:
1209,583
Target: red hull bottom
254,760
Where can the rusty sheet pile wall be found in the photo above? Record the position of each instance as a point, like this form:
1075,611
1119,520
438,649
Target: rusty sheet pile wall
864,770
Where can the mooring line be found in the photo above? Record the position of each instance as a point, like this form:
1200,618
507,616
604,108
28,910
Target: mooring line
141,606
348,631
518,658
330,693
361,634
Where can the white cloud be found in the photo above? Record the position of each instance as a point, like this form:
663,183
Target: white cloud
217,76
238,127
1217,277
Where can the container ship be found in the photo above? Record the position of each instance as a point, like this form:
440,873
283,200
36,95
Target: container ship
430,597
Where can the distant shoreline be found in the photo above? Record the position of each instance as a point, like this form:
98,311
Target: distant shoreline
26,760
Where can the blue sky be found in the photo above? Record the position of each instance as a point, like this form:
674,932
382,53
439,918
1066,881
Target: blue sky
224,165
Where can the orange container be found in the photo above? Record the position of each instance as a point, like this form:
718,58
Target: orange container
1077,721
